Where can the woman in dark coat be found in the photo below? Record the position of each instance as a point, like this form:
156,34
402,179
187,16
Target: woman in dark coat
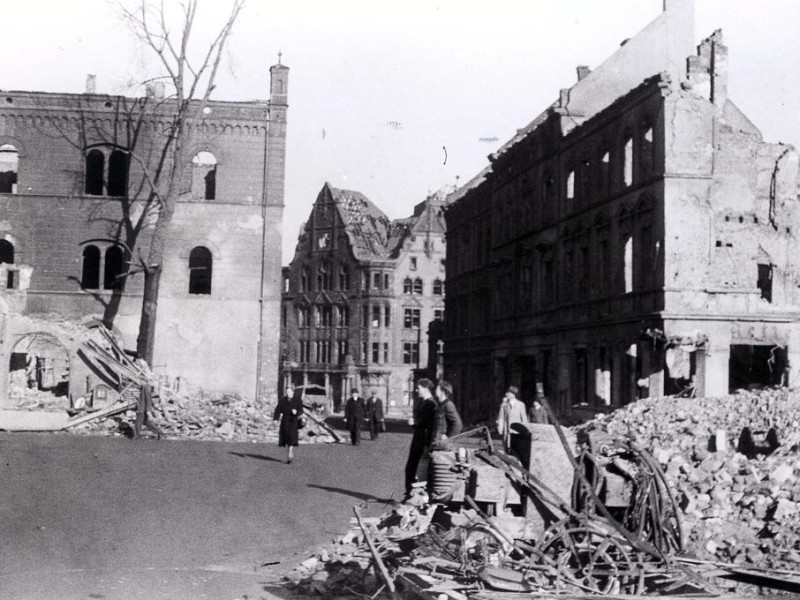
289,411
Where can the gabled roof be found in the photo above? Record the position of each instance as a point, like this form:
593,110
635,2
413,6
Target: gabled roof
367,227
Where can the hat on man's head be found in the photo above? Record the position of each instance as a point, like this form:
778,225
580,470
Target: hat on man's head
513,389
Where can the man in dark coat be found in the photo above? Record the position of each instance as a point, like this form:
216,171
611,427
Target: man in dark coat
374,415
424,428
354,413
448,421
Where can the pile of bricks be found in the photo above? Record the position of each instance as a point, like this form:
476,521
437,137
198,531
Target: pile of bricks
733,465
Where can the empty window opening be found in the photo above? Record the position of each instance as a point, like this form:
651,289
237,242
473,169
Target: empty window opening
40,362
204,176
764,282
9,165
628,264
118,174
95,165
413,263
90,272
755,367
627,170
200,270
681,369
7,257
113,271
570,185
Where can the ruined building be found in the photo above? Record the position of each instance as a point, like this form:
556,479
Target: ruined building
363,299
638,238
76,213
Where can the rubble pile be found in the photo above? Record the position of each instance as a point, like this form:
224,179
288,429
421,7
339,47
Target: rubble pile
219,417
734,467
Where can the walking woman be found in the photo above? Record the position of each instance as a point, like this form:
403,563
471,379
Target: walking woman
289,411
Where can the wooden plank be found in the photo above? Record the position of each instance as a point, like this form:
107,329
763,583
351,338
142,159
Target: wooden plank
375,555
106,412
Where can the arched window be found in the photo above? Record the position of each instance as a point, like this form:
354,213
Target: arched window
204,176
418,286
570,184
90,272
200,264
95,165
408,286
118,173
9,164
438,287
113,270
627,260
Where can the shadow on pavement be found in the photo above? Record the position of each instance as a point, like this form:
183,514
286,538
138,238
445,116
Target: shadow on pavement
358,495
392,425
256,456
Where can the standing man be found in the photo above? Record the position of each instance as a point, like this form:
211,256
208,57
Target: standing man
448,421
424,428
354,412
512,411
374,415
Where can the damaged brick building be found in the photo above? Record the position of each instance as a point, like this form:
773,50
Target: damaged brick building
638,238
363,299
74,225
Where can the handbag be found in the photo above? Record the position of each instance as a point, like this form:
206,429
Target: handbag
383,426
301,422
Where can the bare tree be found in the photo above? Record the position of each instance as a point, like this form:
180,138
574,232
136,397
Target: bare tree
190,75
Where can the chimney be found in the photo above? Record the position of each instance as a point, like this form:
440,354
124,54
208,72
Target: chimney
91,83
158,90
583,71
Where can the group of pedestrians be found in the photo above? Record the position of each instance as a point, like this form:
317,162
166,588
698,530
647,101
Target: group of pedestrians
513,410
357,412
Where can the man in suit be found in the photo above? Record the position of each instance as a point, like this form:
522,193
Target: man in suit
354,413
375,421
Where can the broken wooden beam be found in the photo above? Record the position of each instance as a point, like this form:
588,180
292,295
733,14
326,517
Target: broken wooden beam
106,412
375,555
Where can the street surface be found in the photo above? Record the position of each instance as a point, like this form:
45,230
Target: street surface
113,519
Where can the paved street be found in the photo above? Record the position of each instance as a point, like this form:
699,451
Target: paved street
109,518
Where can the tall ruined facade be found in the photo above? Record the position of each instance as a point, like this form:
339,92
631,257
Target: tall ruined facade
76,217
638,238
363,299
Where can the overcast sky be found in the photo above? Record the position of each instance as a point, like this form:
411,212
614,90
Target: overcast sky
378,89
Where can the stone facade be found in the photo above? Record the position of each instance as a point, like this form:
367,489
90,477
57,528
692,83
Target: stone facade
638,238
75,222
363,298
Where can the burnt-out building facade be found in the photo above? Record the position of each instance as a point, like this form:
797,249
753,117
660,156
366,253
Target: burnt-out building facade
363,299
637,239
79,191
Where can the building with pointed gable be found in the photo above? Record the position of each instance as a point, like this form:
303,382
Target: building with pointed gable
638,238
360,296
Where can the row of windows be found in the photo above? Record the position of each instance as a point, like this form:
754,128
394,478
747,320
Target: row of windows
415,286
376,353
373,316
108,270
106,172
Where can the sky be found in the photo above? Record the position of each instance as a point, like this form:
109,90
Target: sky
397,99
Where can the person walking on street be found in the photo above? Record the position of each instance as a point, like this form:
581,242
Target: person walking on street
424,429
354,413
512,411
448,421
289,412
375,421
537,413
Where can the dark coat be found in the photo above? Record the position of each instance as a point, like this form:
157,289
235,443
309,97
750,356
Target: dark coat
448,421
287,434
424,423
374,410
354,412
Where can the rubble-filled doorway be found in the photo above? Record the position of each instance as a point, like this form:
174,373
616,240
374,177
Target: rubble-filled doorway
752,367
39,368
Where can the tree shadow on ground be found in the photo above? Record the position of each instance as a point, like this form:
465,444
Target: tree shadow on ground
357,495
256,456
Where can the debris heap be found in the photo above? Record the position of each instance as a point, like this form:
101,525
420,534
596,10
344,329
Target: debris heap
733,463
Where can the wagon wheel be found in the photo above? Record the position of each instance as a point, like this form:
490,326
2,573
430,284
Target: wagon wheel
590,560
